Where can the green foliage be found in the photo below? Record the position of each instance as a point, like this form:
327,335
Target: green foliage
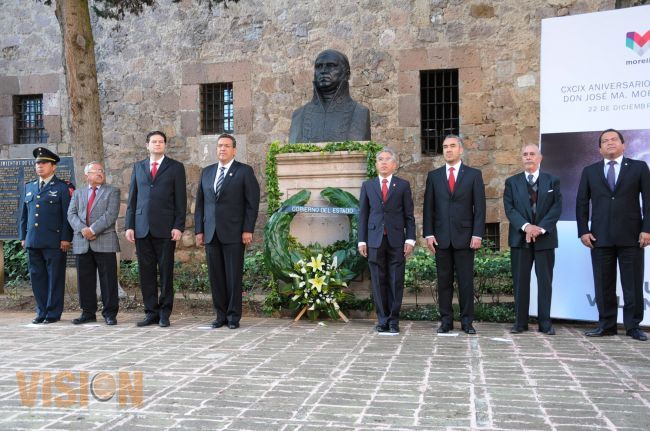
277,250
273,194
497,312
274,302
129,273
492,275
420,274
191,278
15,261
351,302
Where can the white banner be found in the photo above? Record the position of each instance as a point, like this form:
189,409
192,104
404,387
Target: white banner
595,75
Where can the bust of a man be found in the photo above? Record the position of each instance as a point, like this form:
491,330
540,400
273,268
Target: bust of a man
332,115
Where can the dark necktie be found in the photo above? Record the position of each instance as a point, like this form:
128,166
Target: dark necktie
41,185
217,188
611,175
91,200
452,179
154,169
384,189
532,192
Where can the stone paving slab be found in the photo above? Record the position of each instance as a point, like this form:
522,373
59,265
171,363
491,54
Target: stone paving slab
274,374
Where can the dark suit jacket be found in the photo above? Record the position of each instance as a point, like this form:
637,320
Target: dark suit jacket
396,215
156,206
519,211
616,217
44,215
454,217
236,209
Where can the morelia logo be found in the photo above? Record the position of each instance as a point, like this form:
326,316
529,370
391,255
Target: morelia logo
638,43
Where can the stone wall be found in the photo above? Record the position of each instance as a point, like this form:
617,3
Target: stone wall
150,67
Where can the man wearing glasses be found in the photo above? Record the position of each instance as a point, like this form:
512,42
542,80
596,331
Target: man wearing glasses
92,214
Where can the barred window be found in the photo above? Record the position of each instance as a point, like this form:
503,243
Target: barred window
28,116
492,237
438,108
217,109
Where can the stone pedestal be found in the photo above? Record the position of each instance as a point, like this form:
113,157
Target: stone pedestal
314,172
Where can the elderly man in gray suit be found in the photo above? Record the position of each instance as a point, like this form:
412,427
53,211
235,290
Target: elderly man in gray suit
92,214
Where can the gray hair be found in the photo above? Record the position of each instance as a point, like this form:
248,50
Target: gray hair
539,150
388,150
89,165
458,137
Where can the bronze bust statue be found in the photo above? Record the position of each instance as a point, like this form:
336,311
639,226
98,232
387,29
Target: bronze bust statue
332,115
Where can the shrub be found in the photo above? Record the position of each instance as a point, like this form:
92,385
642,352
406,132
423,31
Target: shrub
15,261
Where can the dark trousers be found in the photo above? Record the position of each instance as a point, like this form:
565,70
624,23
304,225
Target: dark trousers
461,262
522,259
630,264
387,275
156,259
47,273
88,265
226,270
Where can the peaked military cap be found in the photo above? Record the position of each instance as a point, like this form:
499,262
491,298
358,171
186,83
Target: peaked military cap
42,154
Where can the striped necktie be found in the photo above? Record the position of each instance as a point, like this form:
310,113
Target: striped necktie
217,187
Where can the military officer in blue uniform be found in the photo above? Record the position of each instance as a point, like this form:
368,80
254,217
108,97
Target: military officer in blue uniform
45,232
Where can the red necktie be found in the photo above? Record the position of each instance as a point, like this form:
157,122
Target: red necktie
384,189
452,179
154,169
90,205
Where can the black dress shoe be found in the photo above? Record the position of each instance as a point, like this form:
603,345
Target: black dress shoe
443,329
394,329
548,331
232,325
84,318
381,328
516,330
164,322
600,332
148,320
51,319
37,320
218,324
469,329
637,334
110,321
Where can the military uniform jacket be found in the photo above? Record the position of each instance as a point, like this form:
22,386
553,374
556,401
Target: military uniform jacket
43,221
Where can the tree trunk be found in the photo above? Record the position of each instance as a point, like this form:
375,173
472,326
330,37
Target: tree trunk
85,125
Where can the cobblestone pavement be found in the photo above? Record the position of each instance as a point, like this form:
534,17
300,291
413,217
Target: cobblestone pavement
276,375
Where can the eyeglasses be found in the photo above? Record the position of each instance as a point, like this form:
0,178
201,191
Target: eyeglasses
97,171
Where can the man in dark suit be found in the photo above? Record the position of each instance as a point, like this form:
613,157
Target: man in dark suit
155,220
386,237
227,203
45,232
92,214
454,223
619,231
533,204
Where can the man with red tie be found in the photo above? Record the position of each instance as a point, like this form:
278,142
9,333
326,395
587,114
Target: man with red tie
454,223
92,214
386,237
154,221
